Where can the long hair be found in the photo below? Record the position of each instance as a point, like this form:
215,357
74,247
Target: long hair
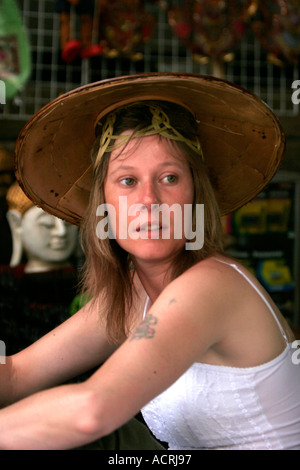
108,271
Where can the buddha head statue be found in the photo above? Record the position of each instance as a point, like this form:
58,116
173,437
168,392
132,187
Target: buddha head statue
46,241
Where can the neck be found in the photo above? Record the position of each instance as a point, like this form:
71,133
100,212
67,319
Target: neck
154,278
39,266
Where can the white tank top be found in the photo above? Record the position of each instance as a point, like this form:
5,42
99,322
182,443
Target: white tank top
220,407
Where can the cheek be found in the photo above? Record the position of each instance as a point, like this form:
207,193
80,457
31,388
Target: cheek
36,240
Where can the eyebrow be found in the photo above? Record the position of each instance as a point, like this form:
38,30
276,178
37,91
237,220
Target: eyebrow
44,215
132,167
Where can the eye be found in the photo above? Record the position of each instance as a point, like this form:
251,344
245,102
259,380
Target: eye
46,221
170,179
127,181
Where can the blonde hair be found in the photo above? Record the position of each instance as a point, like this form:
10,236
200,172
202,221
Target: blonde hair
108,272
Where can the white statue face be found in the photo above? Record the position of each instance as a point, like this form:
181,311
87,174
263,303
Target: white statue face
47,237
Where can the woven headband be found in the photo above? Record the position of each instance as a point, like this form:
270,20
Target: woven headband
160,125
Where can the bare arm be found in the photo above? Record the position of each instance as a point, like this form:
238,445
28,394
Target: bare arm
75,346
72,415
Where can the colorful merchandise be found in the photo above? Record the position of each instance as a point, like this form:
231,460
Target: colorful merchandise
15,56
124,27
210,28
71,46
276,24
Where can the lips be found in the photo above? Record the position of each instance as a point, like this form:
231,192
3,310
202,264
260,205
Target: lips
149,227
56,244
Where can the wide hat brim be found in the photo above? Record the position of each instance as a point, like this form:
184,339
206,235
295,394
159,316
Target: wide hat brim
242,140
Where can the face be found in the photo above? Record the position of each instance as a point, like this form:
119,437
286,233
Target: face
46,237
146,188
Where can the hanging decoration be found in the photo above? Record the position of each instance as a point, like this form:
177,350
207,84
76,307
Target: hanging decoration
15,55
210,28
124,27
77,44
276,24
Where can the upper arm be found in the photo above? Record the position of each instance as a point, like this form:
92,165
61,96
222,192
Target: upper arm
179,328
75,346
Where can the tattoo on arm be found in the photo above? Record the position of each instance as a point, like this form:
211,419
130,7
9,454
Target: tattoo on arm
145,328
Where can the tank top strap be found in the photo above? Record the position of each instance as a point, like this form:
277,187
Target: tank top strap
146,307
267,303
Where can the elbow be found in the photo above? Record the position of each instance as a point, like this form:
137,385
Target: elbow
91,421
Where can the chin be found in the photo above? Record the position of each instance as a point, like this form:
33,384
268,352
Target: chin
155,250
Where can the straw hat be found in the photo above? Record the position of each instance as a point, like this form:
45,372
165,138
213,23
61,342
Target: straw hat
241,138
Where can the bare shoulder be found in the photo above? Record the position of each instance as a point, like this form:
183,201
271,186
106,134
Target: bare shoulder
216,311
216,267
223,287
242,310
211,276
201,299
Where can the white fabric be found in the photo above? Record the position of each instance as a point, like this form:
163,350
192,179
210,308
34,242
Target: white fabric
219,407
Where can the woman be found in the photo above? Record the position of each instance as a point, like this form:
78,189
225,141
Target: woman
186,335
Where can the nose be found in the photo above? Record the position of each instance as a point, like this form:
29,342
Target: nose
60,228
149,194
